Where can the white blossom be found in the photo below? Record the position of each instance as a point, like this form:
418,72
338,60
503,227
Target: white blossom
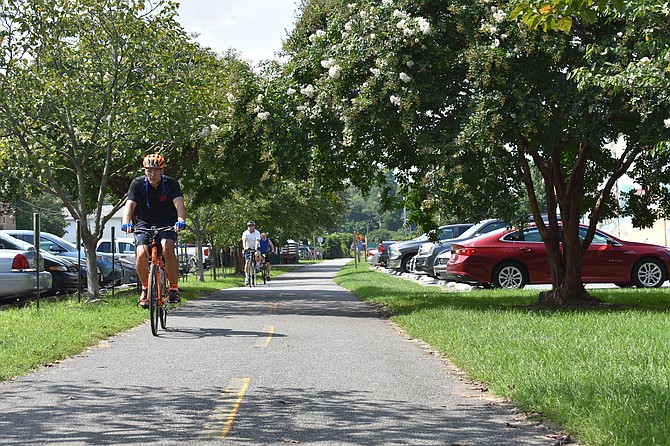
667,123
334,71
387,2
259,98
291,91
317,35
308,91
328,63
230,97
409,63
424,25
395,100
263,115
348,25
214,128
375,71
645,60
405,77
498,14
496,43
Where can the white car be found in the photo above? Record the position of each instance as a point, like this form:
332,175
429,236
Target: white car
18,275
373,257
124,248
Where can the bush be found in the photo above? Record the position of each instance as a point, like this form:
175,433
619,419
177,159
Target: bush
337,245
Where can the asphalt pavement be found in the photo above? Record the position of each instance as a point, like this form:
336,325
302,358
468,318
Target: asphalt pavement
297,361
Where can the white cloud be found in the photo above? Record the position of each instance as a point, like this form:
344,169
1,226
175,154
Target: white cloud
255,28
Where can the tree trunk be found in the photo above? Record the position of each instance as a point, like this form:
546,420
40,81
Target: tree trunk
88,241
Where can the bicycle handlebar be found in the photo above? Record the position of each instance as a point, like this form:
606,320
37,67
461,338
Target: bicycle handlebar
154,229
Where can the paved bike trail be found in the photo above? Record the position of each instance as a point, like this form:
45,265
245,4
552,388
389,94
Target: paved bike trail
297,361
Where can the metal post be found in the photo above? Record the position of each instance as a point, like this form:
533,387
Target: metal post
79,260
113,259
36,244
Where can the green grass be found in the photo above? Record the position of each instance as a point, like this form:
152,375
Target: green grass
31,337
602,375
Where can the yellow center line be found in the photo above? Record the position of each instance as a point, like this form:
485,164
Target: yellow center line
240,387
264,342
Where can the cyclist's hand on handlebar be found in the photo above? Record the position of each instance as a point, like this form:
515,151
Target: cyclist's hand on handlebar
179,226
127,228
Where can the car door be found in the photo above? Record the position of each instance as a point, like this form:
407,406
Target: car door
527,247
605,260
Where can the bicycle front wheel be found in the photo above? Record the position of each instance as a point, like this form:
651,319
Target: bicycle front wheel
163,309
153,299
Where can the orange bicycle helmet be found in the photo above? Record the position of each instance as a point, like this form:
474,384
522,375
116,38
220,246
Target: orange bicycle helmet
154,161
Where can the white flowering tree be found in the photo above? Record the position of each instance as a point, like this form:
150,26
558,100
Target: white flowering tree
459,98
86,89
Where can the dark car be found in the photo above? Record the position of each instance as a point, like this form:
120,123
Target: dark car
425,259
515,258
400,253
383,252
61,247
64,272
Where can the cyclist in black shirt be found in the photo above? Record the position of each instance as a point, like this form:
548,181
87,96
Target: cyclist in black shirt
156,200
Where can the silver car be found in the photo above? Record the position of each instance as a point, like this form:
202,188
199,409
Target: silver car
18,275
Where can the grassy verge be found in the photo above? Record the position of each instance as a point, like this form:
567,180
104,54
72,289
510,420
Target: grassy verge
31,337
604,376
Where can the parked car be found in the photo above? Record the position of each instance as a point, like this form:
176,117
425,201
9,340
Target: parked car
515,258
61,247
64,272
400,253
424,262
124,247
382,249
373,257
18,274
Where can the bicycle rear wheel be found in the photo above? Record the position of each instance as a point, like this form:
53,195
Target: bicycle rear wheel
153,299
264,273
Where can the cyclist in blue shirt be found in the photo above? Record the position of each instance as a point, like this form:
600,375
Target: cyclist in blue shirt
265,245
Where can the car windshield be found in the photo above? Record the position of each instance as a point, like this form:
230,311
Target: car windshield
470,233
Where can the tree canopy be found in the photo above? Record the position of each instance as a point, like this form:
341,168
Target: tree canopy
470,110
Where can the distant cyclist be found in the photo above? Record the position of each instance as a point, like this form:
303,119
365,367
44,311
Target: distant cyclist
265,246
250,241
156,200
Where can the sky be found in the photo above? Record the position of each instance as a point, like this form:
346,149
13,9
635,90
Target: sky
253,27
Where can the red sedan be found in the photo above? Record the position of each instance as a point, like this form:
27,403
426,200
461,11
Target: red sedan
515,258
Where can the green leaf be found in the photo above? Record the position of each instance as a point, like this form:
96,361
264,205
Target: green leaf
618,5
564,24
521,8
589,15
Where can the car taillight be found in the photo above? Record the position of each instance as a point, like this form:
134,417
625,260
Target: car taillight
465,251
20,262
206,252
380,248
370,253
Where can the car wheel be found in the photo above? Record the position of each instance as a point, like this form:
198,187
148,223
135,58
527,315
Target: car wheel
193,264
404,262
509,275
649,273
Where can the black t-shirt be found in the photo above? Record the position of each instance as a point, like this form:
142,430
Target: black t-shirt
154,204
